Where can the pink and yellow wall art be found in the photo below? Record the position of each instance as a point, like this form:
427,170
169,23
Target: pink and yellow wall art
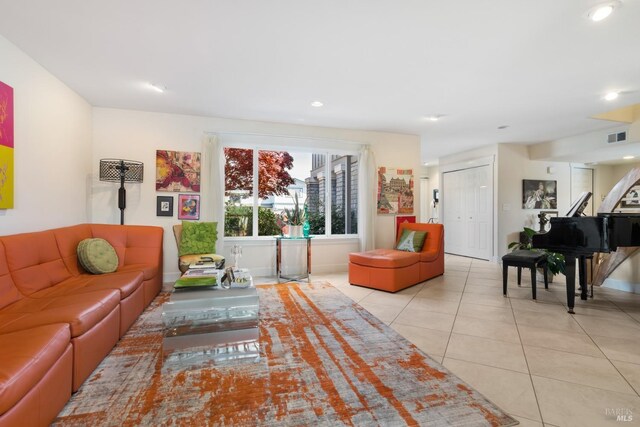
177,171
6,146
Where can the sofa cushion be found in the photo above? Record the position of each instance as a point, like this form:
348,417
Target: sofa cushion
384,258
429,256
26,358
148,271
198,238
97,256
34,261
81,311
8,291
125,282
411,240
68,239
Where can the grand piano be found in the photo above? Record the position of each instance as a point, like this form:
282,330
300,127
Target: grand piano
579,237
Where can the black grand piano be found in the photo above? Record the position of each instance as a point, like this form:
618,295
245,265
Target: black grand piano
579,237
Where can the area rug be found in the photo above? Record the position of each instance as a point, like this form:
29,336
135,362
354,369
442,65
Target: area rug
324,361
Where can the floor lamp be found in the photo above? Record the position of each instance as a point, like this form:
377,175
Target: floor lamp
114,170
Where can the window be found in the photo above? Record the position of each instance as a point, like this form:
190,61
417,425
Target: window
260,186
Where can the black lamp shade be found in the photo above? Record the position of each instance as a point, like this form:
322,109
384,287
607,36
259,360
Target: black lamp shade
110,170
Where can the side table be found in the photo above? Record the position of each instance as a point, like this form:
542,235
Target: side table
279,275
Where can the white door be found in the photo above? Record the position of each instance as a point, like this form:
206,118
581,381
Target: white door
468,212
453,212
581,181
484,212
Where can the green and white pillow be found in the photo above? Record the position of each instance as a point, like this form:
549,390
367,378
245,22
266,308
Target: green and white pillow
411,240
97,256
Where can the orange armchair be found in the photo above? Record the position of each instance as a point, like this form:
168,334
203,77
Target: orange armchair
393,270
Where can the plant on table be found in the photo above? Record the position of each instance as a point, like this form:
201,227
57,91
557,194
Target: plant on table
295,215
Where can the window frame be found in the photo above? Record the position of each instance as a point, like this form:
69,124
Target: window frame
327,152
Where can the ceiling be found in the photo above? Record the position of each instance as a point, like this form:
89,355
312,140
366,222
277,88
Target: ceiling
539,67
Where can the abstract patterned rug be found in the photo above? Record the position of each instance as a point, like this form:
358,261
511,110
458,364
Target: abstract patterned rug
325,361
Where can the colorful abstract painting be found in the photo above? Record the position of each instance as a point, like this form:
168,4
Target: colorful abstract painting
177,171
395,191
6,146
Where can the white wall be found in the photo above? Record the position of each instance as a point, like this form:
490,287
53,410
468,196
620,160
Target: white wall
52,147
136,135
514,166
427,210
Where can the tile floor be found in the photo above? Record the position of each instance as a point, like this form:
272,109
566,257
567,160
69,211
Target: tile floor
533,359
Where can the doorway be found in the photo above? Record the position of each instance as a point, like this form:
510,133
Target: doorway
581,181
467,196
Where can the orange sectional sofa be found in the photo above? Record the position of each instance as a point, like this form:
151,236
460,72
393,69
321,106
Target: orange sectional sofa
57,322
392,270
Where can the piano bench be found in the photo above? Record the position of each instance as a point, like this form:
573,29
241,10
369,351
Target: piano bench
524,259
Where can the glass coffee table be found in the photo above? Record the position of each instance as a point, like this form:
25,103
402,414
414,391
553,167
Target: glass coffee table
212,325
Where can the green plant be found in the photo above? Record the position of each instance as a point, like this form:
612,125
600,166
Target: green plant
555,261
295,215
268,223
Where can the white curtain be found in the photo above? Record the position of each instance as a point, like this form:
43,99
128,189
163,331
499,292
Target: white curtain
212,185
367,176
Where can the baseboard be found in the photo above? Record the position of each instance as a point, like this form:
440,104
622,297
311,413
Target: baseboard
621,285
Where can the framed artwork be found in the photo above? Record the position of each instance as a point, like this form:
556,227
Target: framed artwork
177,171
539,194
631,201
402,220
6,146
164,206
395,191
189,206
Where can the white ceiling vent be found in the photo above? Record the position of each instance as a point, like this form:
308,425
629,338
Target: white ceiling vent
616,137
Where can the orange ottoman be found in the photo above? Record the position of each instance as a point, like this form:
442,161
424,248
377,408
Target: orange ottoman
384,269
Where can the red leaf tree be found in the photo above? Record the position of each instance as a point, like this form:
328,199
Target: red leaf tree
273,175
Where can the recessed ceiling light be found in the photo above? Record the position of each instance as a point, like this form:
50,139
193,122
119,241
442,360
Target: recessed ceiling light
602,11
432,118
317,104
157,88
611,96
426,163
629,157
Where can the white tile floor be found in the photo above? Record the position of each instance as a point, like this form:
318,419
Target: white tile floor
533,359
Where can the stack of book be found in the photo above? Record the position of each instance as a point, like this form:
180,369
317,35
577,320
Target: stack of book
198,278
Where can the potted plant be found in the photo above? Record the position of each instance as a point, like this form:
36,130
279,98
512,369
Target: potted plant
295,218
555,261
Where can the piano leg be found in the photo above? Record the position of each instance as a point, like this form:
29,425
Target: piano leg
570,273
505,274
582,275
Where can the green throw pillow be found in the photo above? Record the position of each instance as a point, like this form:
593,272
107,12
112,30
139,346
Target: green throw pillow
97,256
411,240
198,238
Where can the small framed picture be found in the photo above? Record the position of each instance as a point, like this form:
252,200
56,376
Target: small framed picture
164,206
189,206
